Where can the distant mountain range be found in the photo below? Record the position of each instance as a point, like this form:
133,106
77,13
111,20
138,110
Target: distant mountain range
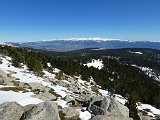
76,44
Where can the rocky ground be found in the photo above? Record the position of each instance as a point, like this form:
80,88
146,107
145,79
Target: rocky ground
55,96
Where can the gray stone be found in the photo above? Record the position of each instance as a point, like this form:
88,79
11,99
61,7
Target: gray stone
7,80
121,109
46,96
11,111
67,98
107,106
42,111
95,106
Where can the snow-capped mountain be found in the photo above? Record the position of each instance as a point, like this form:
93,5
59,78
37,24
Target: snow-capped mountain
70,44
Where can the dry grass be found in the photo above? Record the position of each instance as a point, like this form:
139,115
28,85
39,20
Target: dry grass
95,89
62,115
54,93
144,112
15,89
15,83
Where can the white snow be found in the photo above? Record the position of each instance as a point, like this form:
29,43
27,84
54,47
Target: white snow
104,92
94,38
28,77
95,63
48,74
140,53
49,65
60,90
99,49
3,86
62,103
81,81
21,98
148,71
153,111
56,70
120,99
85,115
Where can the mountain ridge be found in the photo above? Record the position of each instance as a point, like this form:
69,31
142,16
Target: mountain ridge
71,45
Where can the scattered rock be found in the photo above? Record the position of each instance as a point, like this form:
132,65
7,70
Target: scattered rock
63,83
75,88
11,111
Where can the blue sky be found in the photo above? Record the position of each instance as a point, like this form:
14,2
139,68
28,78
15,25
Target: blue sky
34,20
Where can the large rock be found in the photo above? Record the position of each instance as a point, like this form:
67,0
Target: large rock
105,117
118,109
96,107
70,113
11,111
42,111
107,106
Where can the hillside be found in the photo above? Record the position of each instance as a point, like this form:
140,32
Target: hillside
75,79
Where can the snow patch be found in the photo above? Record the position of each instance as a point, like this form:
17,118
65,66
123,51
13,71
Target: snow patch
104,92
99,49
85,115
121,99
62,103
21,98
140,53
150,72
49,65
152,110
95,63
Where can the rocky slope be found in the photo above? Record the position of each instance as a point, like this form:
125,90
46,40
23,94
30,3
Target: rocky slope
55,96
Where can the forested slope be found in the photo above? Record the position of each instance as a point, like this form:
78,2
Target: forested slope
118,75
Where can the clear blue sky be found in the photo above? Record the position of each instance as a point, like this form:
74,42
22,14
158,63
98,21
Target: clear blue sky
34,20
